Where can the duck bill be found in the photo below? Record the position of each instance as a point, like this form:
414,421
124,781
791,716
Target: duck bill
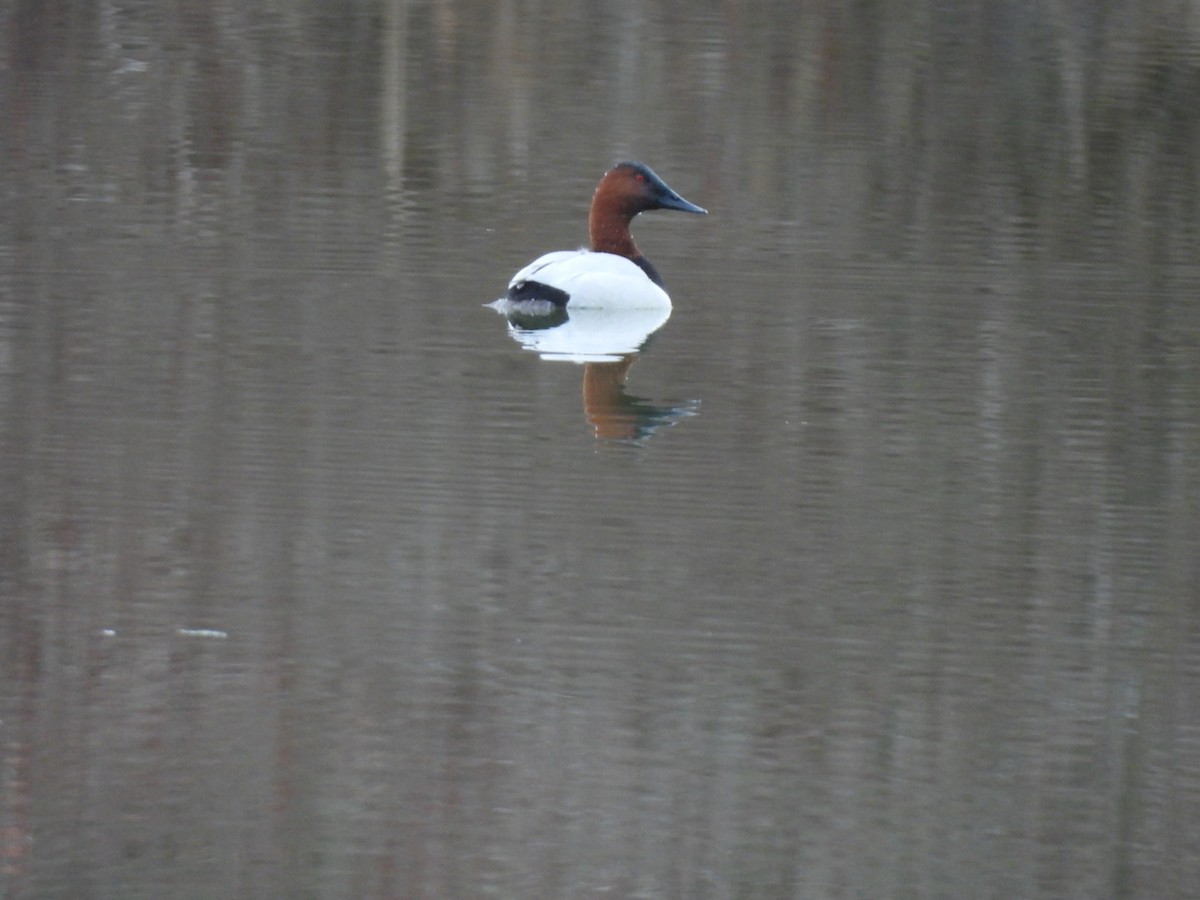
671,200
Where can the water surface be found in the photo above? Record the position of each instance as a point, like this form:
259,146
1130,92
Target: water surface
873,574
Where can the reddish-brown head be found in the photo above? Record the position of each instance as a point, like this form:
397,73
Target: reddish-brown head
627,189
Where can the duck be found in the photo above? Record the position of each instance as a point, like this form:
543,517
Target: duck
611,272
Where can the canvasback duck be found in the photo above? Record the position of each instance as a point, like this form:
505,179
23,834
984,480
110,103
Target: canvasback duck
611,273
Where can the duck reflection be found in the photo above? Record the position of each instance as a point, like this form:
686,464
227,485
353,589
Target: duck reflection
616,415
606,343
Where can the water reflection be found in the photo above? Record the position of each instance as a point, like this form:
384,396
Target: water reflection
606,342
585,335
618,416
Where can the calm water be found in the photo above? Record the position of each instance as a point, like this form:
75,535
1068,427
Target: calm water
876,574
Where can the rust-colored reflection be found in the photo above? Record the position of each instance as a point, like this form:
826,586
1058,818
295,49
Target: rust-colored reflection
609,410
614,414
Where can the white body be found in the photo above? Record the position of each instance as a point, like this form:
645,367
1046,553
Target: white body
595,280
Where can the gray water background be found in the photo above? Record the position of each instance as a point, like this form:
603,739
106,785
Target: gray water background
313,583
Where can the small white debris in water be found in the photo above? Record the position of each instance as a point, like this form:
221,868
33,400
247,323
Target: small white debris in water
107,632
202,632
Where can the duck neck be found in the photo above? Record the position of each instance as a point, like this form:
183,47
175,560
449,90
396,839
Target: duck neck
609,216
610,234
608,231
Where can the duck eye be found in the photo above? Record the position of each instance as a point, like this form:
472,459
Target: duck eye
640,177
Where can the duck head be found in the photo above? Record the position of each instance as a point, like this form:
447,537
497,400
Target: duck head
629,188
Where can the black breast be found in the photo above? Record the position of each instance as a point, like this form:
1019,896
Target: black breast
645,266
